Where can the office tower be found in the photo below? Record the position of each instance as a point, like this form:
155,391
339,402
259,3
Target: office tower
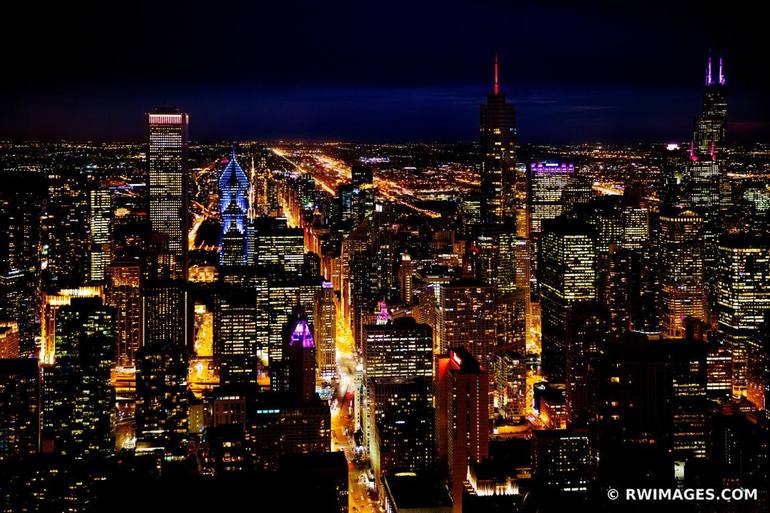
9,340
587,337
51,303
399,348
406,279
671,187
65,229
22,202
545,184
300,350
655,408
635,220
466,318
462,412
549,402
563,461
680,242
498,153
99,233
644,289
711,124
325,325
400,421
124,295
162,400
235,334
278,299
79,398
234,208
578,191
166,313
167,181
19,409
509,378
279,426
567,274
278,247
743,298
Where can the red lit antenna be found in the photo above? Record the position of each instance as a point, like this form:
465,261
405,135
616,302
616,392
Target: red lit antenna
497,82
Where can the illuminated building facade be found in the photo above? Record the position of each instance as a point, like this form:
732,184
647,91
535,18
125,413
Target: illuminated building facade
683,294
545,184
509,375
234,208
99,217
743,299
9,340
51,303
567,274
563,460
167,181
462,413
301,352
498,152
167,314
466,317
78,395
162,401
235,334
399,348
124,295
325,325
20,389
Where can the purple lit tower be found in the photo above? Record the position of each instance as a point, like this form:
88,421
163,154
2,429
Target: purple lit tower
711,125
301,356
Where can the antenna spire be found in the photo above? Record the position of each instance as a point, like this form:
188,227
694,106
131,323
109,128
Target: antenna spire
721,71
708,72
497,82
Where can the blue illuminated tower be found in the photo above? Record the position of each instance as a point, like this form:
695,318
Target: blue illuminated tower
234,207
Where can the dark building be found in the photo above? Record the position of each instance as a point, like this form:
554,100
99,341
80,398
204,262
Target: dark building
79,398
19,409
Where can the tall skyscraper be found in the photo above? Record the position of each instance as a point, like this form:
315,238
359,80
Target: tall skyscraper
168,180
300,349
325,325
22,203
235,334
545,184
466,318
124,295
234,208
498,152
166,313
743,299
79,398
683,293
567,274
99,217
462,413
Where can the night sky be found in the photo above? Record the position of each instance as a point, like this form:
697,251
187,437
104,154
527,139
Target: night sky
379,71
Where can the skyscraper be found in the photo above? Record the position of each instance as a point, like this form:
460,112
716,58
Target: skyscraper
162,400
462,412
78,396
124,295
567,274
234,208
235,334
168,179
99,216
743,299
325,325
545,184
498,152
19,409
300,350
683,291
466,318
399,348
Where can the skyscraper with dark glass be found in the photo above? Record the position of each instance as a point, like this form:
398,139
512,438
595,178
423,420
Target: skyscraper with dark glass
498,152
167,181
